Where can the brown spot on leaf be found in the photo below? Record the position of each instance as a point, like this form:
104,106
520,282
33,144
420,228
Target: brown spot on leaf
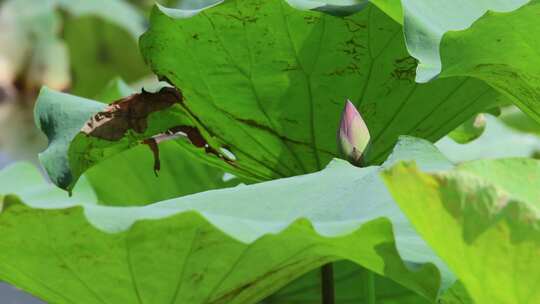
405,69
130,113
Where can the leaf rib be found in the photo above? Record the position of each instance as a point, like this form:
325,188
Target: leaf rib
280,174
184,264
307,79
131,273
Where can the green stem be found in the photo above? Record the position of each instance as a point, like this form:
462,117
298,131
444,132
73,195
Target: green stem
327,284
370,287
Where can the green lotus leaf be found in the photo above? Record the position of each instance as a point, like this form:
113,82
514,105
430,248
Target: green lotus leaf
235,245
482,219
424,22
268,82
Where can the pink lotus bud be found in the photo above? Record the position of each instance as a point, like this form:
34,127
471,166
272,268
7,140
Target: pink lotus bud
353,135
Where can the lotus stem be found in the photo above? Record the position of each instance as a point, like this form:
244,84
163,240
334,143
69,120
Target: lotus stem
327,284
370,287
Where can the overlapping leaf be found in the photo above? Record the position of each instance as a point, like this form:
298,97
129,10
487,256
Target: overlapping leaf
234,245
504,56
482,219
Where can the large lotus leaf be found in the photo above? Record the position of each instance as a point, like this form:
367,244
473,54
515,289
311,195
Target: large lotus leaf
482,219
501,50
489,50
268,82
498,140
235,245
424,21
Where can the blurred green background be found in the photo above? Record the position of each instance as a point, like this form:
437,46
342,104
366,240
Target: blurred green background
76,46
82,46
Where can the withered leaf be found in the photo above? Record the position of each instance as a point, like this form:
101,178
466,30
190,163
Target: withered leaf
189,132
153,145
130,113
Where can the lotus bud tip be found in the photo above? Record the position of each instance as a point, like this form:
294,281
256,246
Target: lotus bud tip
353,135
